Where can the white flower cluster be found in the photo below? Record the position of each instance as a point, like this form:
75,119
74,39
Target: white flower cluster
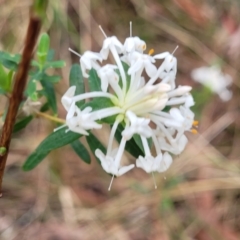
140,96
213,78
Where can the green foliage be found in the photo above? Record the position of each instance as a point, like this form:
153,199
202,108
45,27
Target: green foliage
4,83
49,92
94,81
76,79
81,151
2,151
94,144
43,47
10,61
21,124
55,140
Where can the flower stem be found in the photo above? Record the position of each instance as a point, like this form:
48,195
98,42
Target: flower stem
52,118
19,85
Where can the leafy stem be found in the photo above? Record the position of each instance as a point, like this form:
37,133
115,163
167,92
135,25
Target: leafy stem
19,85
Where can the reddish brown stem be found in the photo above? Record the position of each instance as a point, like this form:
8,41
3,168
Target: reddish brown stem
17,93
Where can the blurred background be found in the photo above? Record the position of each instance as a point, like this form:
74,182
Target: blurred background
198,198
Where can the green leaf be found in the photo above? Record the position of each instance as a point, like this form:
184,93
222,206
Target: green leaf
50,55
45,107
3,79
58,139
128,77
31,87
50,94
94,144
94,81
76,79
3,150
34,159
81,151
22,124
131,145
138,141
52,79
16,58
55,140
55,64
10,80
10,61
100,103
43,47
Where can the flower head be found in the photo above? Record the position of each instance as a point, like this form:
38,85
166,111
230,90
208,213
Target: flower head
213,78
143,108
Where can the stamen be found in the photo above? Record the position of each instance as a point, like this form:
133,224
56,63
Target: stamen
195,123
151,51
194,131
154,180
79,55
110,185
174,51
130,29
100,27
143,46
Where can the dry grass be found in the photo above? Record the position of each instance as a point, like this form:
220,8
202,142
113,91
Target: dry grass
198,198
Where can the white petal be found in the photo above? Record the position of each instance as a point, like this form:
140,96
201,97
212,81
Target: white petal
165,163
150,68
125,169
161,55
176,114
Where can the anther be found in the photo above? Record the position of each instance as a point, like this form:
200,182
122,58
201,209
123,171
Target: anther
195,123
151,51
194,131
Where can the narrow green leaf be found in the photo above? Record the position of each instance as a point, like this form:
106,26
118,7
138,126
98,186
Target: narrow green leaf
76,79
100,103
34,63
58,139
34,159
94,81
55,140
43,47
3,79
22,124
50,94
52,79
50,55
81,151
45,107
128,77
55,64
94,144
10,80
138,141
16,58
31,87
